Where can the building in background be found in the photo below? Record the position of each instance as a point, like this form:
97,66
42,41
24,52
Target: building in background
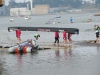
20,12
41,9
89,1
37,10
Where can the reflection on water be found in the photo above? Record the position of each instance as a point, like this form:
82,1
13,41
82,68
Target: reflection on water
57,52
56,61
70,52
66,52
19,60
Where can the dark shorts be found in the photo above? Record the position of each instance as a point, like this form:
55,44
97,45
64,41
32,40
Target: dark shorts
56,40
65,38
97,36
18,36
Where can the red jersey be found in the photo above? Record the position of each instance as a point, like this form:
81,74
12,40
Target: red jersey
64,34
69,35
56,35
18,32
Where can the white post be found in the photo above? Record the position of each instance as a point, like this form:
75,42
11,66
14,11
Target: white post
27,6
31,6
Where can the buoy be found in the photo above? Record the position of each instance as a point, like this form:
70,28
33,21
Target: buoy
27,18
53,22
11,20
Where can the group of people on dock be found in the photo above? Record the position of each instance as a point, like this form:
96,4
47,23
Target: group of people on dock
66,37
65,34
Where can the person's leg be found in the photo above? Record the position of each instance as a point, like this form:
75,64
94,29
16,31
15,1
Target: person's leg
55,41
58,41
65,40
96,39
17,39
37,38
70,40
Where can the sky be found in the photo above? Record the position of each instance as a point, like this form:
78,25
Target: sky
6,1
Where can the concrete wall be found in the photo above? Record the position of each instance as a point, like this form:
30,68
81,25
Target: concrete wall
2,11
41,9
33,11
19,11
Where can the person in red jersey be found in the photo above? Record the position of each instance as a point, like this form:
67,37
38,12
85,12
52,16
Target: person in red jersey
64,36
69,37
18,34
56,37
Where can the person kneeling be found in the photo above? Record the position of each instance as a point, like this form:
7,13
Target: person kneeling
36,36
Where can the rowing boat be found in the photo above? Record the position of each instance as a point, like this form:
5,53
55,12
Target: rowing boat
45,29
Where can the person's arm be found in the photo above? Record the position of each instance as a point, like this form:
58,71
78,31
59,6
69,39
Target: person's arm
20,31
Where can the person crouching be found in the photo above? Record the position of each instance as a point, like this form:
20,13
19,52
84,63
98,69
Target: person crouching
36,36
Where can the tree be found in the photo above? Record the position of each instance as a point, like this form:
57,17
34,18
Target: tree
12,3
97,2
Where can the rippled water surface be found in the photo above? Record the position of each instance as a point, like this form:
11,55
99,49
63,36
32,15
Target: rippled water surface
78,60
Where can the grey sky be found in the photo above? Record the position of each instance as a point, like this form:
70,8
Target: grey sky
6,1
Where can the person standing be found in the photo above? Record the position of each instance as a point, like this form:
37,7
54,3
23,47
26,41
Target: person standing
64,36
18,34
56,37
71,20
97,36
69,37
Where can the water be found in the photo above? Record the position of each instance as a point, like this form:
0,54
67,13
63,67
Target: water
78,60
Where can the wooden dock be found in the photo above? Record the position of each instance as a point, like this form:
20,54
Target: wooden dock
51,46
43,46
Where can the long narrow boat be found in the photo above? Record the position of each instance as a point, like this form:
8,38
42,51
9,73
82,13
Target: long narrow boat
42,29
45,29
